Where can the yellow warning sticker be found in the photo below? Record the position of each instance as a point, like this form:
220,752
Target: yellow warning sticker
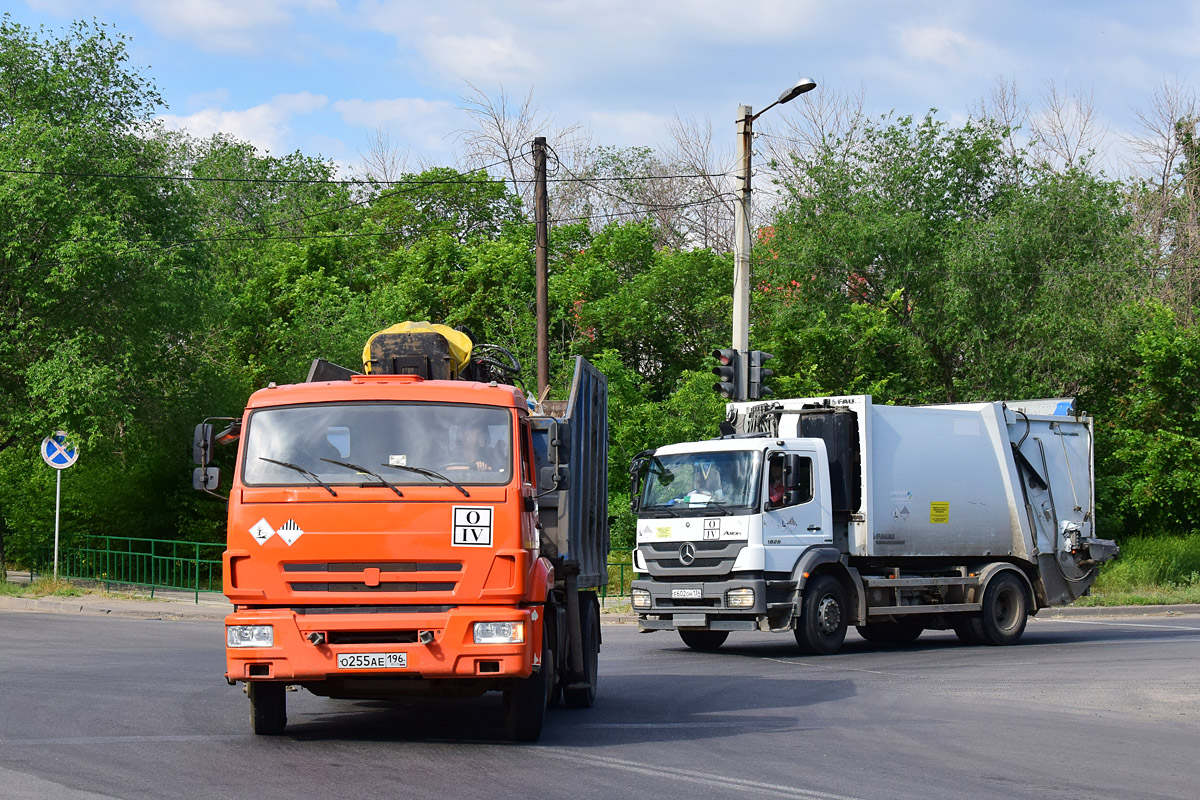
939,512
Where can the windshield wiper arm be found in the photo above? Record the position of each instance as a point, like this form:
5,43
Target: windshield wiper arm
365,471
302,471
430,473
728,513
670,511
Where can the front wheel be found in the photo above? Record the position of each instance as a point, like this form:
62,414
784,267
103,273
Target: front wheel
268,707
1005,610
525,701
703,640
821,626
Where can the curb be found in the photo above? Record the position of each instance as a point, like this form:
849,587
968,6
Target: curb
116,607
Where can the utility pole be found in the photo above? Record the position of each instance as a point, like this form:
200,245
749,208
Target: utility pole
741,247
541,212
742,231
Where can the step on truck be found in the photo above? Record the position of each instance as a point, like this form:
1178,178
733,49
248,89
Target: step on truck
809,515
415,530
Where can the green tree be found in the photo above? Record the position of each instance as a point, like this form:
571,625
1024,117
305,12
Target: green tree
97,295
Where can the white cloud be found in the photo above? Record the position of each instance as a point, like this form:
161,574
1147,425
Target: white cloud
224,26
417,124
499,58
266,126
951,49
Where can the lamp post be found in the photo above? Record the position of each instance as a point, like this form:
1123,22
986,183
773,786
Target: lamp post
741,224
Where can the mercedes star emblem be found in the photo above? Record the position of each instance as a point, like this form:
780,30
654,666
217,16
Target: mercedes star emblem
687,553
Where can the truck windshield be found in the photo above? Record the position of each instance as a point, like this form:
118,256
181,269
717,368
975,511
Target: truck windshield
701,482
402,442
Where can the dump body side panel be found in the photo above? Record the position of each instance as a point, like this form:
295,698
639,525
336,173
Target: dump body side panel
575,519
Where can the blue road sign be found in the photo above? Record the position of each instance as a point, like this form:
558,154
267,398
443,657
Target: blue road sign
58,451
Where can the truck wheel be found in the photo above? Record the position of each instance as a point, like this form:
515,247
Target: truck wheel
525,702
969,629
268,707
821,626
554,688
582,696
890,632
1005,610
703,640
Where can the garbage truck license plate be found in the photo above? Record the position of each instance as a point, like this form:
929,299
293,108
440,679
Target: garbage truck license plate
685,594
372,660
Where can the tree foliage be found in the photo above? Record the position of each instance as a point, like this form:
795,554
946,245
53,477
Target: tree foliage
149,280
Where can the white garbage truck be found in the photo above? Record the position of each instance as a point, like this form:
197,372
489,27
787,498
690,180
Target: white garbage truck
812,514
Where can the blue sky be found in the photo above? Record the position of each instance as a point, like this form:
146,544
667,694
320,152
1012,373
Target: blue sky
321,75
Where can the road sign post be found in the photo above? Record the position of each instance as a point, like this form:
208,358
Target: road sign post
58,452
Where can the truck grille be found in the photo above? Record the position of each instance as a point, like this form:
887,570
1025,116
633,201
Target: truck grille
372,576
711,558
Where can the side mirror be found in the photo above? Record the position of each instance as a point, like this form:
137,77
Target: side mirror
791,471
203,441
558,448
206,478
551,479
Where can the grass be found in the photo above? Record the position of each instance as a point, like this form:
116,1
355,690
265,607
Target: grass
1158,570
42,587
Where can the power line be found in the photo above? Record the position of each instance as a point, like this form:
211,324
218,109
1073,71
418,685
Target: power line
417,182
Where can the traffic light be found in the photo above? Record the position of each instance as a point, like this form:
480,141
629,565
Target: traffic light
758,374
728,366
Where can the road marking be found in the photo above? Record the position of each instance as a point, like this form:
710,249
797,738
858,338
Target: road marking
825,666
1122,624
657,725
702,778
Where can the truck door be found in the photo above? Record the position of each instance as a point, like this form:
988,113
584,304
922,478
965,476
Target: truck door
792,519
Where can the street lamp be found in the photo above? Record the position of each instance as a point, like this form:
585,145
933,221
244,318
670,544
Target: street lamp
741,224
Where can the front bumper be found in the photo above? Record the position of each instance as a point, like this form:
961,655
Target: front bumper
706,612
452,652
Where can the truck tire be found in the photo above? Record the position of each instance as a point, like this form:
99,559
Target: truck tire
268,707
525,701
703,640
550,638
821,626
890,632
1005,610
583,694
968,629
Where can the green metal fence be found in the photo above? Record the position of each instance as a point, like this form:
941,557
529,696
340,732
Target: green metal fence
196,567
152,563
620,574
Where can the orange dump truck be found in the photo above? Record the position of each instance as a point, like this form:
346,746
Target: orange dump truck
411,531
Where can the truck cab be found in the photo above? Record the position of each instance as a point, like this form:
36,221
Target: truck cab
721,524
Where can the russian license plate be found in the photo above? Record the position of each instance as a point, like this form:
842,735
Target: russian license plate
685,594
372,660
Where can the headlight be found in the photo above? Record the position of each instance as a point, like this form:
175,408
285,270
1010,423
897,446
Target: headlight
640,598
499,632
249,636
739,598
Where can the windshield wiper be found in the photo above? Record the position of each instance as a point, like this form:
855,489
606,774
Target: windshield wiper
669,511
727,512
430,473
365,471
302,471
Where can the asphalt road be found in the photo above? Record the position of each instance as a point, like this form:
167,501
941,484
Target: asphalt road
1095,707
